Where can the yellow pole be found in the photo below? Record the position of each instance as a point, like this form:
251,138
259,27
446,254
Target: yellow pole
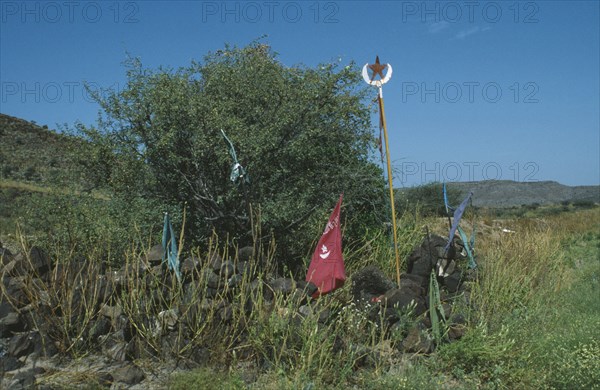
389,170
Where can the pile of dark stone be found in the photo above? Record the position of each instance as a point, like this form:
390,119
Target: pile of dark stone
31,348
370,287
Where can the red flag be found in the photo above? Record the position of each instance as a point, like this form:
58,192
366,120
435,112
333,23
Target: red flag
326,270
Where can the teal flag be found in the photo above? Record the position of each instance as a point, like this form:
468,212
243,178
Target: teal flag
238,173
468,247
169,244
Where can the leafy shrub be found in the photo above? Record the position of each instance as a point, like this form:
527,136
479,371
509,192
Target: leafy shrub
302,134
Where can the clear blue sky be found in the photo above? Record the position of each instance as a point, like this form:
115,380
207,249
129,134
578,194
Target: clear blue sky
480,89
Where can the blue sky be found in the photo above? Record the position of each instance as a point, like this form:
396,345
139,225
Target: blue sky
480,89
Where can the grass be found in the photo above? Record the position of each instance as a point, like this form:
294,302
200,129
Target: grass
539,308
536,323
534,319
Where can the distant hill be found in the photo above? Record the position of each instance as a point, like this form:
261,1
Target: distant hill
31,153
507,193
35,154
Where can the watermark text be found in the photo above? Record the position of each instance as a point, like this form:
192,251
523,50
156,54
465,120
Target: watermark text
270,11
470,11
424,172
69,11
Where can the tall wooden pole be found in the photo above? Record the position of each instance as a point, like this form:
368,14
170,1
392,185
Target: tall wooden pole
377,69
390,182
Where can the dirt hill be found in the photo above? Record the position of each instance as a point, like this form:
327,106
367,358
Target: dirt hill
32,153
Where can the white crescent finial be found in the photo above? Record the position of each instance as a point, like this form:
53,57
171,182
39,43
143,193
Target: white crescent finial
376,83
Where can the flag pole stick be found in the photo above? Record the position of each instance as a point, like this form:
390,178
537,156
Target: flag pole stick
390,181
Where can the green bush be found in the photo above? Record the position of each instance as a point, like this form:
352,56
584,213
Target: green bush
303,135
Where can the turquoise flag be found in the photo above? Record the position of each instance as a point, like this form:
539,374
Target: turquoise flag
238,173
169,244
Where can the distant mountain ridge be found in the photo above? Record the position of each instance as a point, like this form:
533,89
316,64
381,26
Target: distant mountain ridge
507,193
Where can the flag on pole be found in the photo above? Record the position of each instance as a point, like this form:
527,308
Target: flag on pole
169,244
326,270
238,173
458,213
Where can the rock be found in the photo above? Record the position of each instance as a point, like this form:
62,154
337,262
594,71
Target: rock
9,363
39,262
25,378
305,310
381,353
226,313
412,279
435,245
115,347
211,292
425,257
206,305
245,254
420,262
129,374
410,291
324,315
416,341
155,275
243,267
257,286
411,284
104,379
190,268
16,291
212,279
10,321
283,285
215,262
397,298
458,319
15,267
227,269
447,309
5,256
456,332
309,288
235,280
155,255
22,344
167,320
370,282
117,279
453,281
111,312
471,275
99,328
444,267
